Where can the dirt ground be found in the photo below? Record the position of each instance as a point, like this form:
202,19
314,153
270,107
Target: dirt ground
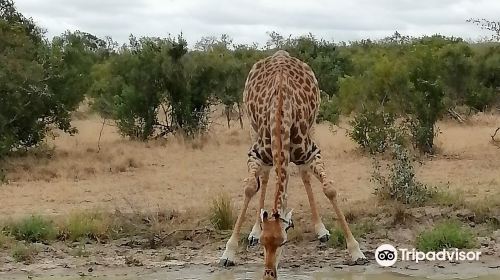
185,176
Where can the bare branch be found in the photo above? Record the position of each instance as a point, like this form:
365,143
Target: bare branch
456,115
494,135
100,135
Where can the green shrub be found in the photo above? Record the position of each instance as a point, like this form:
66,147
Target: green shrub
400,184
34,229
481,97
448,234
329,111
424,104
153,87
375,130
41,82
337,239
80,226
222,216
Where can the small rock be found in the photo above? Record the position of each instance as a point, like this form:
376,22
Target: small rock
496,235
465,214
322,246
484,241
489,253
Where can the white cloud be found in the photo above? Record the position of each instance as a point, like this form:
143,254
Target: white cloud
247,21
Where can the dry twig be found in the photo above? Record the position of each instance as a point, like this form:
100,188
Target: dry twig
456,115
494,135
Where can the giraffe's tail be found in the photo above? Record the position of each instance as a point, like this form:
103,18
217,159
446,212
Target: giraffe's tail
280,140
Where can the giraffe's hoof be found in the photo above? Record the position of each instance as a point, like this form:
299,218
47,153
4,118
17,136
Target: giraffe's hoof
226,263
252,241
324,238
360,261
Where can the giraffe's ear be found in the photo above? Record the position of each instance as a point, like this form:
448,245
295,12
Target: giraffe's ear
263,215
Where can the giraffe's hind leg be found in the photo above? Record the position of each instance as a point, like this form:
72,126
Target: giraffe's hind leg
321,232
252,185
318,168
253,238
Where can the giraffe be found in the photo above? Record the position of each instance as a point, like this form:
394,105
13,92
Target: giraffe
282,99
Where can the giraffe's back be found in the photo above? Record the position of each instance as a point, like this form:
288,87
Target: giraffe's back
300,89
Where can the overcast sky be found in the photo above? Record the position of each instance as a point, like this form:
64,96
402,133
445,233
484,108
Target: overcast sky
248,20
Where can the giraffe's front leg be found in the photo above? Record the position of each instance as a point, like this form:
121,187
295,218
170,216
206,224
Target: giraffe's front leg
318,168
253,238
251,185
321,232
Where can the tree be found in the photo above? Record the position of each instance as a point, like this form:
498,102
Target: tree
152,87
70,60
29,105
456,63
424,105
484,91
493,26
323,57
130,86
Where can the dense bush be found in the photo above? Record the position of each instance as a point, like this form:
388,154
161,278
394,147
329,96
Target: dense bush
131,86
41,83
26,106
153,86
374,131
424,103
329,110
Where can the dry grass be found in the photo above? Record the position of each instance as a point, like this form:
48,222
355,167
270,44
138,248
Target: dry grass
159,228
6,241
399,214
184,174
222,215
296,234
24,253
80,225
353,212
482,206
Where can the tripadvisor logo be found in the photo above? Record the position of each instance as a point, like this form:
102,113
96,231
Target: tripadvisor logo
387,255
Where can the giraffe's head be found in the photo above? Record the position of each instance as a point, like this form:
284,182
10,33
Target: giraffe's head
272,238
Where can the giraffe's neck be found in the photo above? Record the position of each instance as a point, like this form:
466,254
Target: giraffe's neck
280,161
